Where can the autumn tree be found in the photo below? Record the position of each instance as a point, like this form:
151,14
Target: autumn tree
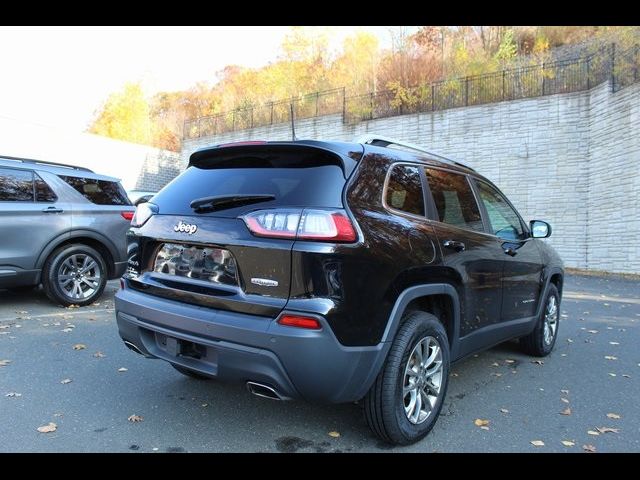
125,116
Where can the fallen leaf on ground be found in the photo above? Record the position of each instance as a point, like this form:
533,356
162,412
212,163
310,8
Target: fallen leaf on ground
495,364
537,362
79,346
56,324
122,369
615,416
614,343
21,312
481,423
564,400
626,376
496,374
455,375
99,355
45,324
568,443
2,327
610,357
67,317
204,405
155,449
565,392
569,340
606,304
607,430
593,432
67,330
566,411
58,414
135,418
592,331
73,306
504,410
4,363
13,394
65,381
537,443
18,325
612,375
508,360
334,434
51,427
589,448
484,427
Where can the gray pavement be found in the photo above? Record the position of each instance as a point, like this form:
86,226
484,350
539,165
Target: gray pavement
595,368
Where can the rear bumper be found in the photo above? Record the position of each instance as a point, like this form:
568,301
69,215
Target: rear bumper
297,363
119,268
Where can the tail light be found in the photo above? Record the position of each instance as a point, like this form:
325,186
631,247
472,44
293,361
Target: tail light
143,212
127,215
300,322
307,224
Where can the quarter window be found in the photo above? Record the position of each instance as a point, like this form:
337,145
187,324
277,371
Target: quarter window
454,200
404,190
101,192
504,221
16,185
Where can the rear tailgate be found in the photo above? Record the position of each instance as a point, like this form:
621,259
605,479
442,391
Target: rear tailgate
209,257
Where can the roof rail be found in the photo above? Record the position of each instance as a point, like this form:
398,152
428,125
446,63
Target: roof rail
43,162
382,141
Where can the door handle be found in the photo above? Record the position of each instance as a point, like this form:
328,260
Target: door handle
512,252
454,245
53,210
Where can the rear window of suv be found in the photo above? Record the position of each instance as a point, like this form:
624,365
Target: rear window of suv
293,181
100,192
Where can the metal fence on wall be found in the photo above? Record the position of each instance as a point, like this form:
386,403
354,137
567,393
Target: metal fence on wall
608,63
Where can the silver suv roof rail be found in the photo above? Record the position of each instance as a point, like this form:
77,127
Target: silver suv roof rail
382,141
43,162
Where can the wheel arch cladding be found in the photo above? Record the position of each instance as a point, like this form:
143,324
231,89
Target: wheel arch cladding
93,240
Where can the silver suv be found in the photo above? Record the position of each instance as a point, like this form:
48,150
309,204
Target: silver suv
62,226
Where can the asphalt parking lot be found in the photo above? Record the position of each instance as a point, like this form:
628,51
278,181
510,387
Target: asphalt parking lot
584,394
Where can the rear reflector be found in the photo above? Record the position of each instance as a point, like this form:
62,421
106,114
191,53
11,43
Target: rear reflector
300,322
128,216
307,224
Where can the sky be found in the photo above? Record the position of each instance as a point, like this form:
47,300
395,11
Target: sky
59,76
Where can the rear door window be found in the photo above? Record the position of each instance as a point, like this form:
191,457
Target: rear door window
403,191
43,190
100,192
454,200
16,185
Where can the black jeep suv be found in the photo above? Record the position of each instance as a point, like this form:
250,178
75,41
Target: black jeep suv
336,272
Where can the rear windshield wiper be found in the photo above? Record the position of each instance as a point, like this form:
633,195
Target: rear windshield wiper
220,202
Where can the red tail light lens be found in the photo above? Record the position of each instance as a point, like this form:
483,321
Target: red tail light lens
308,224
300,322
127,215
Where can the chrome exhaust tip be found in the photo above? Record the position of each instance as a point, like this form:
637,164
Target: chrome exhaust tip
134,347
262,390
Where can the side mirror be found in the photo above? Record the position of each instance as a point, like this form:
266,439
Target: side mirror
540,229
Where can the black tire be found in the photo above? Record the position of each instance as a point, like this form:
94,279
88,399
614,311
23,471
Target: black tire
535,343
52,270
384,404
190,373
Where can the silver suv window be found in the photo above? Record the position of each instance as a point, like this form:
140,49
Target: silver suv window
23,186
100,192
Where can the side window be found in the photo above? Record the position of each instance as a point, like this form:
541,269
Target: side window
100,192
16,185
504,221
43,191
454,199
404,190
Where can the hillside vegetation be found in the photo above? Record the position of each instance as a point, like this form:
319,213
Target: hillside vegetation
306,64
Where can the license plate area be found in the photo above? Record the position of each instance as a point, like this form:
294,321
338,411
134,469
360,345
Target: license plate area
212,264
